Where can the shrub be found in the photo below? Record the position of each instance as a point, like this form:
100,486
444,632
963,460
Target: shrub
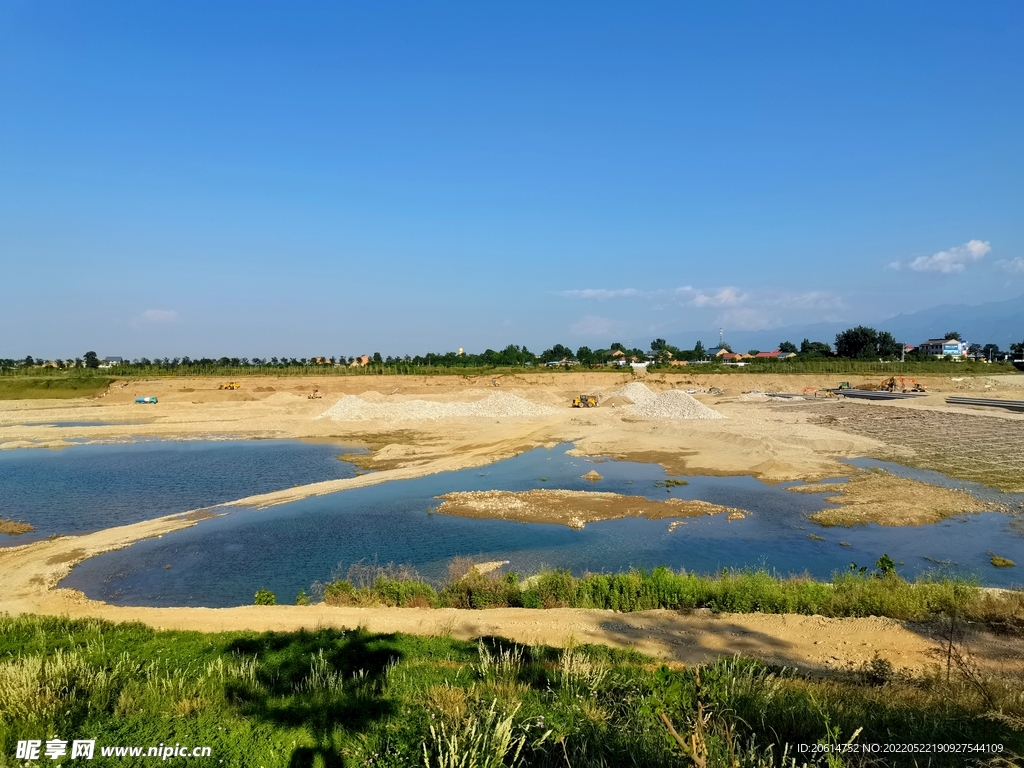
265,597
340,592
404,593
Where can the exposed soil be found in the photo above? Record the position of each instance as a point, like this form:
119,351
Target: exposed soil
572,508
981,447
877,496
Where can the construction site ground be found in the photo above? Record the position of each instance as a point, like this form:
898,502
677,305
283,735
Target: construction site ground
775,440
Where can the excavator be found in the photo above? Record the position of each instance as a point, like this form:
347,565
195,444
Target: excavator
230,385
911,385
901,384
585,401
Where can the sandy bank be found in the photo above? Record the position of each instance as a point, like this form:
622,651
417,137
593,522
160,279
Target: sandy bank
572,508
877,496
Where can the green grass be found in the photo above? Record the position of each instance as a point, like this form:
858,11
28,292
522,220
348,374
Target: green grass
57,386
335,697
850,593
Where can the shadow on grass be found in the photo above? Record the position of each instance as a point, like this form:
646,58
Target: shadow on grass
345,693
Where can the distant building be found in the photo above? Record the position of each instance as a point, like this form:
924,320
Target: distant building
361,361
772,355
110,362
944,348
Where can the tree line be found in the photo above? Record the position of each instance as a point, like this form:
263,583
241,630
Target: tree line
857,343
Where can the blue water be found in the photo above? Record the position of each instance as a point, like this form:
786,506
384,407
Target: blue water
89,487
67,424
223,561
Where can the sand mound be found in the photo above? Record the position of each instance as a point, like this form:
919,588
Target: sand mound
673,404
499,404
637,392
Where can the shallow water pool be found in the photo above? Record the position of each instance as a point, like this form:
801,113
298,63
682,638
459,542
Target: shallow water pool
89,487
223,561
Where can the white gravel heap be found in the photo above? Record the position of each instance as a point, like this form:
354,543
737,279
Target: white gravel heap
672,404
498,404
637,392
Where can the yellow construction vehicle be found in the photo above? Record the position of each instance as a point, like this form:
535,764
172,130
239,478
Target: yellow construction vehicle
911,385
230,385
585,401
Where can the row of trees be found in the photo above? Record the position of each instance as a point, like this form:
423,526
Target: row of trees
858,343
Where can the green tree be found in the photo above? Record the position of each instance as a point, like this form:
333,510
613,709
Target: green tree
815,348
952,335
265,597
698,350
991,351
377,358
658,344
91,360
585,356
557,352
787,346
863,343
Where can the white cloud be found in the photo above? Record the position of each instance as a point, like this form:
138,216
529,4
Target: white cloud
601,293
896,265
726,297
153,318
747,319
806,300
949,262
1012,265
594,325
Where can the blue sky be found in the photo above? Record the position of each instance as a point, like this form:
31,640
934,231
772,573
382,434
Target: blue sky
267,179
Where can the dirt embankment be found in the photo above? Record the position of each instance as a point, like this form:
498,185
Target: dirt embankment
572,508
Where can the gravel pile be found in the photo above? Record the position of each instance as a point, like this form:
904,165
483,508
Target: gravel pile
758,397
499,404
673,404
637,392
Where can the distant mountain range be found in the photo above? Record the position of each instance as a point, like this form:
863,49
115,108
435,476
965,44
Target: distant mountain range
995,322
